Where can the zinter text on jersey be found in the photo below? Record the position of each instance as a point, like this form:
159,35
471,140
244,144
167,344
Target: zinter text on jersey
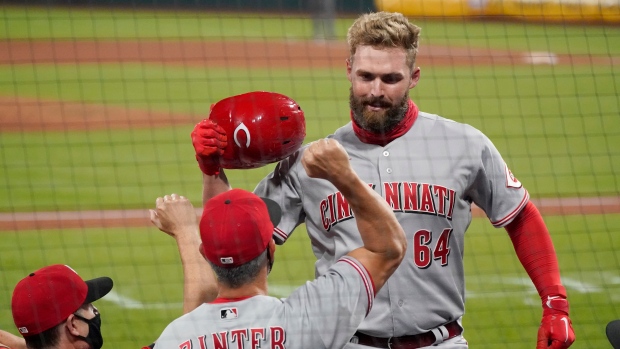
239,339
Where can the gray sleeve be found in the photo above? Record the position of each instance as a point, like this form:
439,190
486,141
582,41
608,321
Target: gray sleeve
335,304
494,188
283,187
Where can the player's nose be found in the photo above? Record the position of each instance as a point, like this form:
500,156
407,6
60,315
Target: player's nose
376,88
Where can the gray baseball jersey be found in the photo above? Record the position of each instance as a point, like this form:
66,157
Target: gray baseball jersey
430,176
323,313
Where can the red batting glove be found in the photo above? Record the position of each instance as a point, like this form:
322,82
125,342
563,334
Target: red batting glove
209,142
556,329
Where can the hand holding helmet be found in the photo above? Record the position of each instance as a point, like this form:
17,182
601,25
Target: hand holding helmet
249,131
209,142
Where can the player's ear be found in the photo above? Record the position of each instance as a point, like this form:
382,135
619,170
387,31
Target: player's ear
71,325
415,77
348,60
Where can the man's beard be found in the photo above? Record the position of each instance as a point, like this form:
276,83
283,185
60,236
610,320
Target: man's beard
379,122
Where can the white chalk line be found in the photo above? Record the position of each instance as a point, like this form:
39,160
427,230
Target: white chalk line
130,303
524,289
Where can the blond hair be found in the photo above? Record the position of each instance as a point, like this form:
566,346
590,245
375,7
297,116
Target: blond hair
384,30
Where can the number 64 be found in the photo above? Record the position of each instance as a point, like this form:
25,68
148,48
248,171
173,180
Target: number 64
422,256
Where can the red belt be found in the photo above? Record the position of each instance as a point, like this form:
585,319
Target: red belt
445,332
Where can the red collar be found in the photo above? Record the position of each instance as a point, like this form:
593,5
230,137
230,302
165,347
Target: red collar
228,300
384,139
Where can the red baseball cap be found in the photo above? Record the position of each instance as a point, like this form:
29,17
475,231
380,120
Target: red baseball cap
46,297
236,227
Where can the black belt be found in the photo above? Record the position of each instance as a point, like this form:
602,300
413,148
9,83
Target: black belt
436,336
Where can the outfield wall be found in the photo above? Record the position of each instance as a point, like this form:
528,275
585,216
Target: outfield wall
603,11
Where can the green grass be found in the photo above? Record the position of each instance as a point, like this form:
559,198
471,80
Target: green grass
502,308
166,87
102,170
80,23
556,127
521,36
71,23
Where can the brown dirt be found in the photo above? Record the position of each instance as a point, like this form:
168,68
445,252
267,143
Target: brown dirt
264,54
26,114
21,114
140,218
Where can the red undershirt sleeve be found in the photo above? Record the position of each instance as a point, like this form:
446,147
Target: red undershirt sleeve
532,243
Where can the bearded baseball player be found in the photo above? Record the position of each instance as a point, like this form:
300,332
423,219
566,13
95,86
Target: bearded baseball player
429,170
236,231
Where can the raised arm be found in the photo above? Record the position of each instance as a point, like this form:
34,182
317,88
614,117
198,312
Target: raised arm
175,216
9,340
383,237
213,185
210,141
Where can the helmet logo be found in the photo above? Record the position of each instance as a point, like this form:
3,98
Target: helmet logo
243,128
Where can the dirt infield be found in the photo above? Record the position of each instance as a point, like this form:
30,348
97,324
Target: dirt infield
259,54
140,218
28,114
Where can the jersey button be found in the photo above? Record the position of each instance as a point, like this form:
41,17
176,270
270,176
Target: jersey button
386,153
400,303
389,170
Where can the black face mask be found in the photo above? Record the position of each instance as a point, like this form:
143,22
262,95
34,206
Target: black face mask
94,338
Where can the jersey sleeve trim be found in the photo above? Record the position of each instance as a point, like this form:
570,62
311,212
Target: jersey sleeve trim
369,285
504,221
279,235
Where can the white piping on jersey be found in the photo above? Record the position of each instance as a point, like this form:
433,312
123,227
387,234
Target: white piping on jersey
280,234
513,214
370,292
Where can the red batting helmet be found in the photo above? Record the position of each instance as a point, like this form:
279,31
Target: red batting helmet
262,128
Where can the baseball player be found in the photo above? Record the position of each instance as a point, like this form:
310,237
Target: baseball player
429,170
236,230
52,309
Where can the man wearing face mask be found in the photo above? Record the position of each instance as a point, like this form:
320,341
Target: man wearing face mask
52,309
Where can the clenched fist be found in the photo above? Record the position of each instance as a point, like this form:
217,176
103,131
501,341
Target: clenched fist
174,214
209,141
327,159
556,328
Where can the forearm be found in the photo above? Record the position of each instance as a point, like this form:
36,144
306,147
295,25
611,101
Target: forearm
535,250
383,237
199,282
12,341
213,185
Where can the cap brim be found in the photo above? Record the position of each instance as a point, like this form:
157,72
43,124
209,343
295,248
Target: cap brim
275,212
97,288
